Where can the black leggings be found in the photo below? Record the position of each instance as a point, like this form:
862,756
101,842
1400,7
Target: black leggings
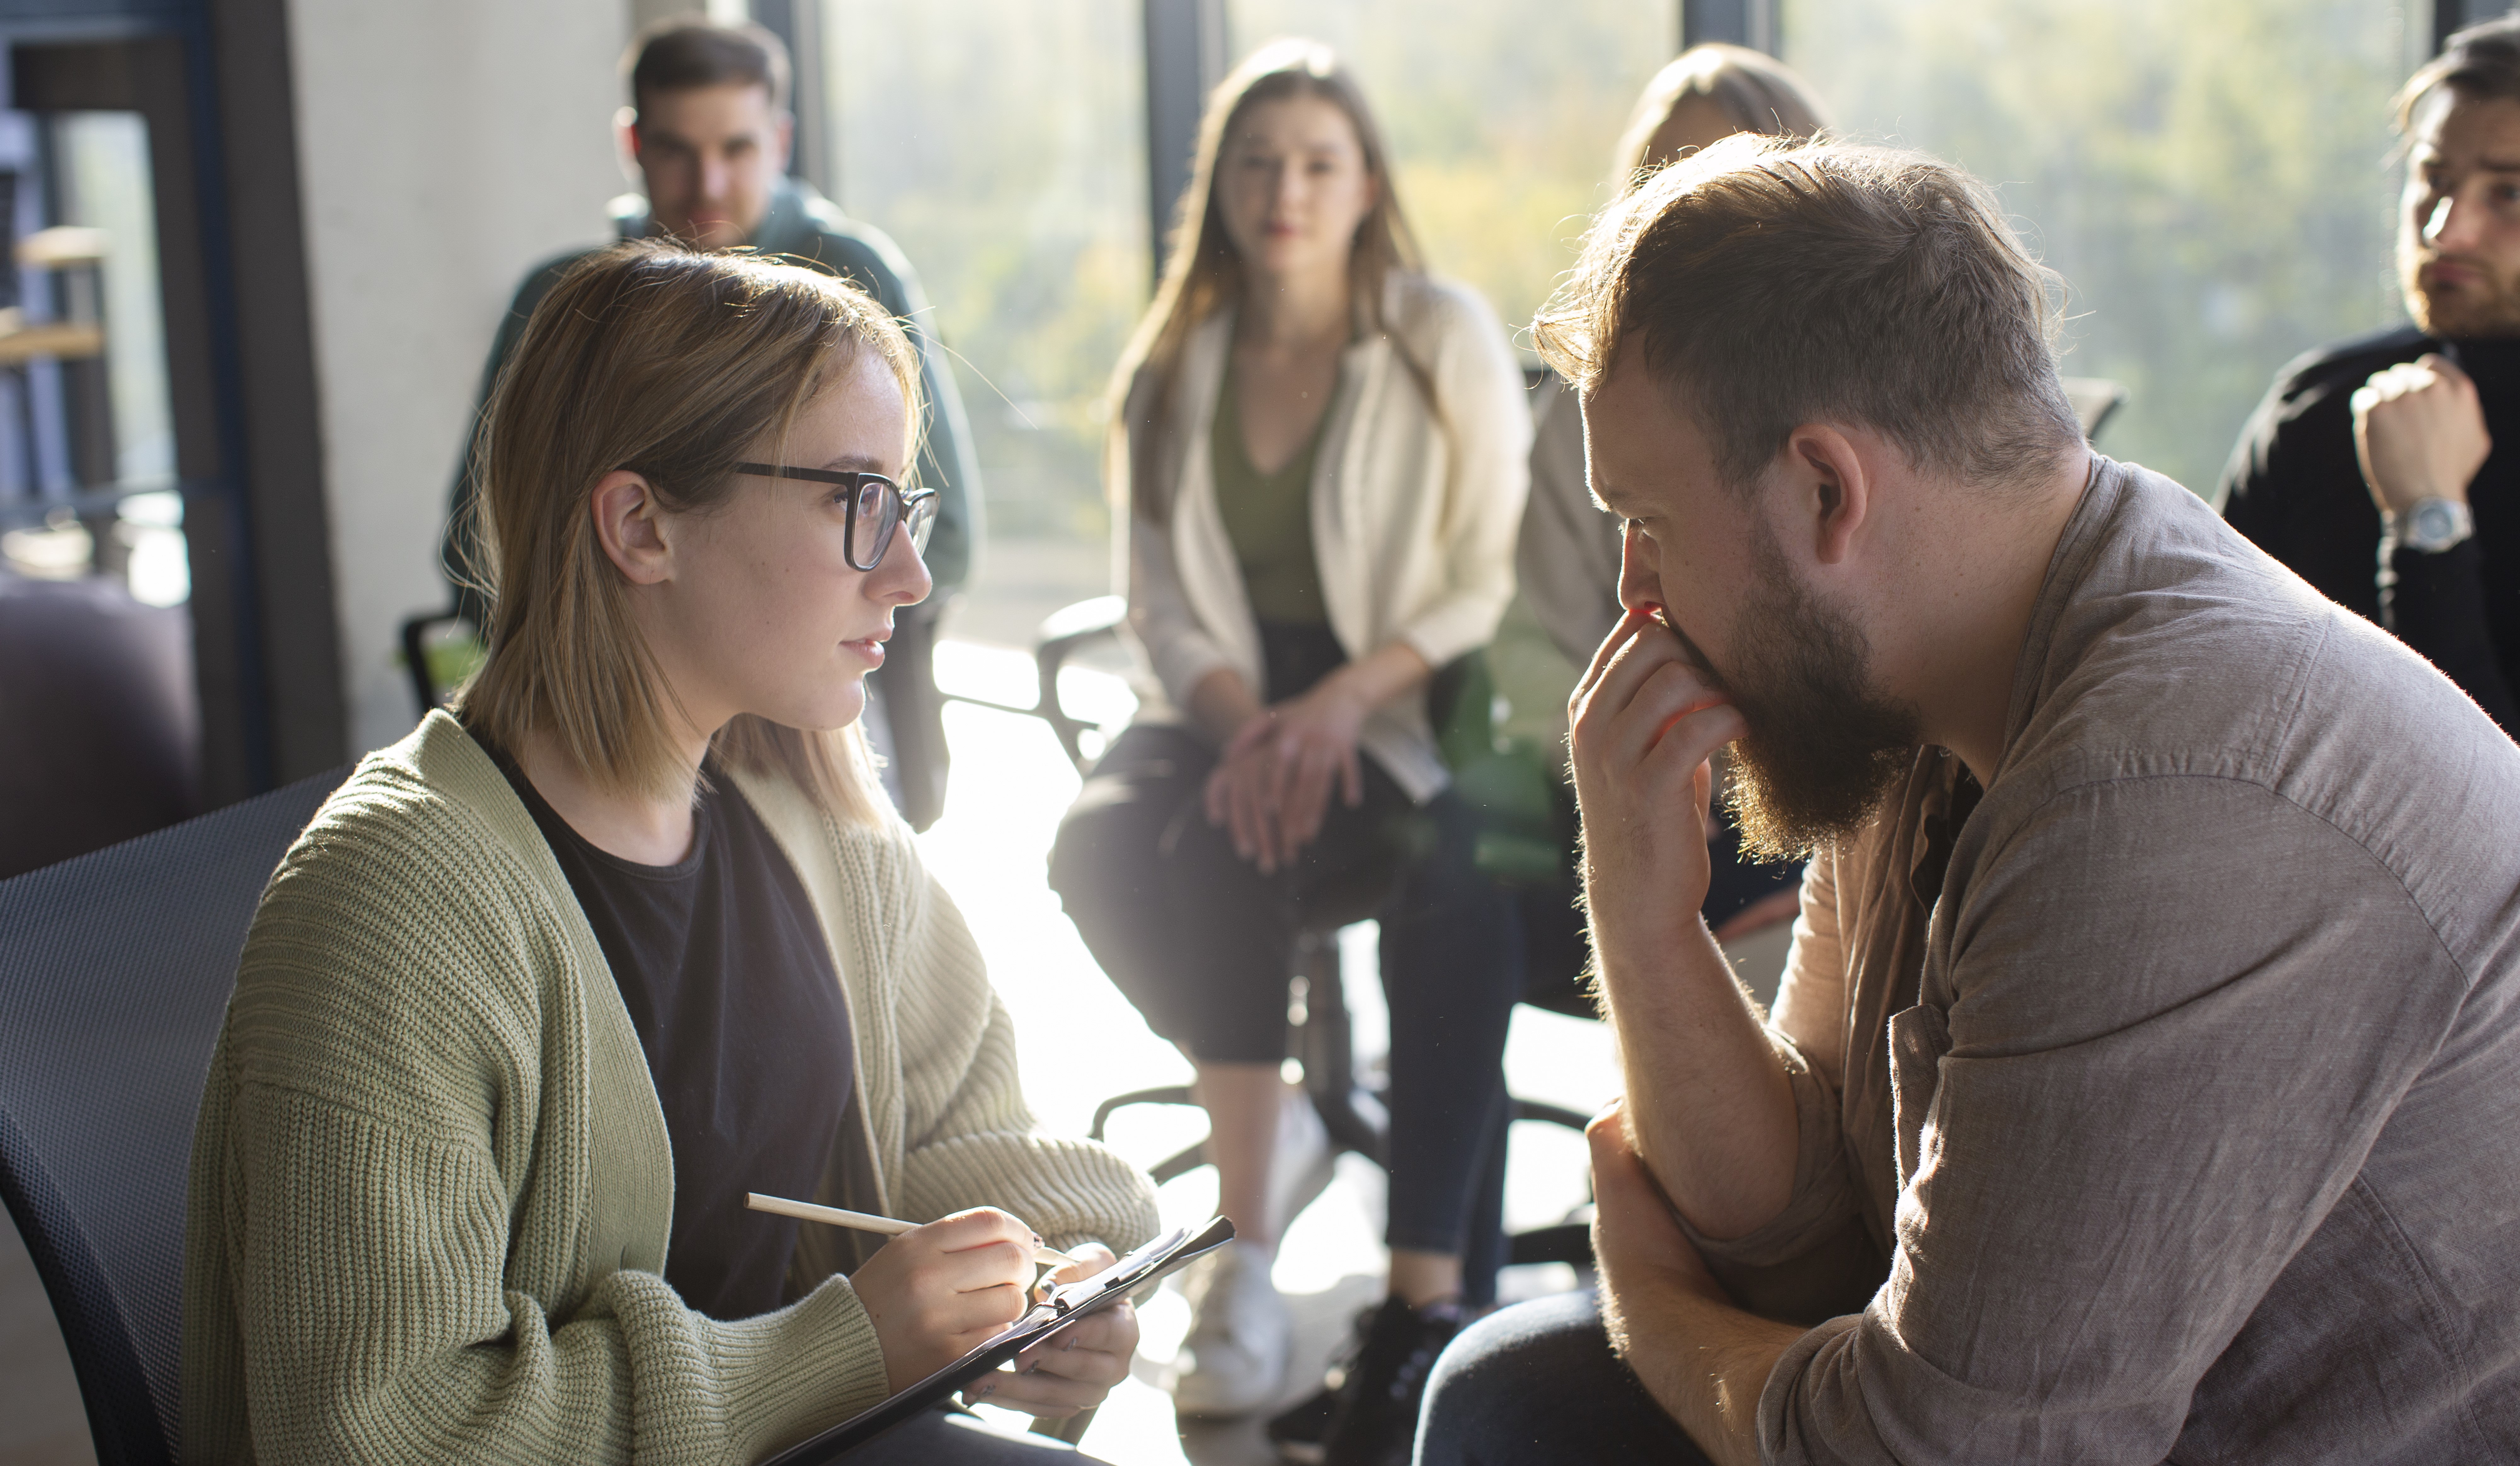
1203,944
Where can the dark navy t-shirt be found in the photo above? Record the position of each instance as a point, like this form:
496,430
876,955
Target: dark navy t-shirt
728,982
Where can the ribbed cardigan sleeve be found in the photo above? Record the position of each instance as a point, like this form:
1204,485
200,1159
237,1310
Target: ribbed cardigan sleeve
392,1195
968,1137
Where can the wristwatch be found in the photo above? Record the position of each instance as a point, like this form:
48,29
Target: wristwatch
2431,525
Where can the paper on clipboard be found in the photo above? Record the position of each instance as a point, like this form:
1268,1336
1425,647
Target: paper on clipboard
1065,1305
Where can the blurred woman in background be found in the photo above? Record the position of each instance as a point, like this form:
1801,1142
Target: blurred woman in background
1568,554
1320,457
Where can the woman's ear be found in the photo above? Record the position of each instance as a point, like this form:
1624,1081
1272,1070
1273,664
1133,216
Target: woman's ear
629,524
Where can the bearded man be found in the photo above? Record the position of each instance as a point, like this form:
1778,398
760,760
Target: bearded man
2146,1079
2386,471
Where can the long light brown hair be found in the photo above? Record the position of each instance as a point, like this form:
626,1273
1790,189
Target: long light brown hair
1205,274
1754,91
677,366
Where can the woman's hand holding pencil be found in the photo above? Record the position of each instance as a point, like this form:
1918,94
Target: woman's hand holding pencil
869,1221
938,1290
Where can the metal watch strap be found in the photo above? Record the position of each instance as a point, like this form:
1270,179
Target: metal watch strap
2429,525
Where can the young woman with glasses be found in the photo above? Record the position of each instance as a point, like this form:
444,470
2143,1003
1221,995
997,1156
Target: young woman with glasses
1321,452
549,986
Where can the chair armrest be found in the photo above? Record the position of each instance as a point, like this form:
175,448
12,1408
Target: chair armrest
1063,633
414,654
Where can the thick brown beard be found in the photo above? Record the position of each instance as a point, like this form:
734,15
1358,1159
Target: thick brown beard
2497,315
1824,744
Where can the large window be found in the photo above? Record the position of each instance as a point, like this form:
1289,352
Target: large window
2212,181
1002,144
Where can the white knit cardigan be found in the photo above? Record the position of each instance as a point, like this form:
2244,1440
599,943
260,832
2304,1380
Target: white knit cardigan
1414,514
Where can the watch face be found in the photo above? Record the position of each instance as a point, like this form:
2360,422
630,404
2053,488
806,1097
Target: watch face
2434,523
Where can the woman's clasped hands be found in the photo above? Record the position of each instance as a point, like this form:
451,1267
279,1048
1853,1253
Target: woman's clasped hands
1273,782
939,1291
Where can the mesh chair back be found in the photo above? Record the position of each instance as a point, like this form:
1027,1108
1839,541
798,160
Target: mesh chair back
114,975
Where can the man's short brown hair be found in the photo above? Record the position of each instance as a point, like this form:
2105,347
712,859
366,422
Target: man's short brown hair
2480,63
682,53
1777,283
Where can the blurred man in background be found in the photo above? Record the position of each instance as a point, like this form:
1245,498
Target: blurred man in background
2383,469
709,130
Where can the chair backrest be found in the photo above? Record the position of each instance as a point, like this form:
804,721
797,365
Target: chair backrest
114,974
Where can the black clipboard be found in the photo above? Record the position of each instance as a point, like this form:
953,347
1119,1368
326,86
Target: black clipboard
1065,1305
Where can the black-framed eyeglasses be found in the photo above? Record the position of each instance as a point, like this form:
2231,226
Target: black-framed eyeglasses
876,508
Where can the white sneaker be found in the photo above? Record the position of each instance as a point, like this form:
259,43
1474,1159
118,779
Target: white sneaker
1233,1359
1301,1167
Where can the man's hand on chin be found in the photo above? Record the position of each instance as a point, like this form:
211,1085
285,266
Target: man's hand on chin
1701,1358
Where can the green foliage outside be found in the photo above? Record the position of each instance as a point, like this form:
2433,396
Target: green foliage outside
1501,117
1001,144
2212,180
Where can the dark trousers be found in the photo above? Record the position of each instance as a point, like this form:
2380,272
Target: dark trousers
956,1438
1537,1385
1203,944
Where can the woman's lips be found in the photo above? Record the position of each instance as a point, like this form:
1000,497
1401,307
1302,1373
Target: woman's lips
870,647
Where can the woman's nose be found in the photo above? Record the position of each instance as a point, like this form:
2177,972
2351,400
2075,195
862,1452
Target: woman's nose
901,576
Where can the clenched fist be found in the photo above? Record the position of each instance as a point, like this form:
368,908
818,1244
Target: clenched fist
2419,433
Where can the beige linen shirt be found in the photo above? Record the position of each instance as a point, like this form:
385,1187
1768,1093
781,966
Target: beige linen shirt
2175,1086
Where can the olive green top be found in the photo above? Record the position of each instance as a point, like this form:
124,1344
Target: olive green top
1268,519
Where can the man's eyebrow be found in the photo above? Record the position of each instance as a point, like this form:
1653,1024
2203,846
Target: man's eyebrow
853,462
1603,498
2425,157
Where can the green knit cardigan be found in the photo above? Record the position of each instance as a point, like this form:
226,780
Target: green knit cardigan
431,1186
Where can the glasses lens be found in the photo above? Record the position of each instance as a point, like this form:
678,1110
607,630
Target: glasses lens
870,521
921,521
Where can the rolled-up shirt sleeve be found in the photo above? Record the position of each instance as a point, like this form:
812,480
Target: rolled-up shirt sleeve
1813,1258
2130,1110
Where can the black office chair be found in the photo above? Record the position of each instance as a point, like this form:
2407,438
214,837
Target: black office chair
439,649
1348,1099
114,974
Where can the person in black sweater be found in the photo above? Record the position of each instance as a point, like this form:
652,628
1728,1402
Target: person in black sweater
2385,470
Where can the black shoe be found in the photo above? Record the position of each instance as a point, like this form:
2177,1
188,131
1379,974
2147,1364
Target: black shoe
1374,1421
1299,1430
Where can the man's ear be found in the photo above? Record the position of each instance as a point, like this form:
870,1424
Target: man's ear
625,130
629,524
787,134
1832,489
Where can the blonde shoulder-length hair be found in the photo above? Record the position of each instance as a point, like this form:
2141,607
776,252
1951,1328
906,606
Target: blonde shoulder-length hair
675,365
1755,92
1203,271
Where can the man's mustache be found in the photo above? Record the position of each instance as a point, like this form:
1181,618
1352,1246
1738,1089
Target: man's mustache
1696,654
2426,258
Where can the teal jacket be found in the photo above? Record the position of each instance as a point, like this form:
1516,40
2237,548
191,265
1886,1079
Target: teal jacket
806,226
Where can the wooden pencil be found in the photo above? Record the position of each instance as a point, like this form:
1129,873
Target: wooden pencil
867,1221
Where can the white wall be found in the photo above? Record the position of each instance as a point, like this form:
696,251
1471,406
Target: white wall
444,148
